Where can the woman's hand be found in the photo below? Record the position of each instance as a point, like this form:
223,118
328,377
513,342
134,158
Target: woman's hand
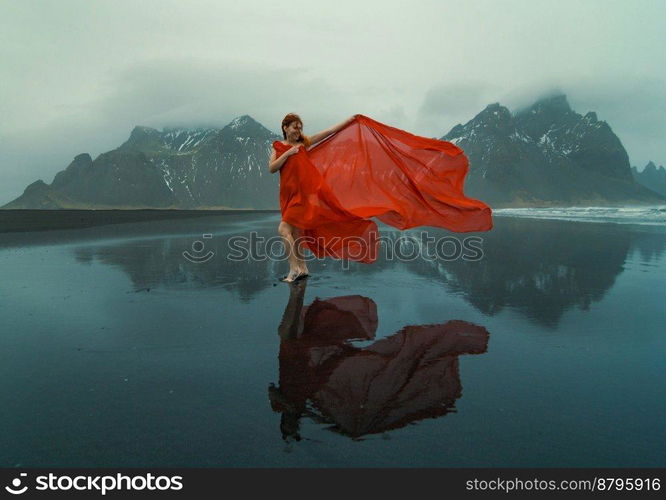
293,150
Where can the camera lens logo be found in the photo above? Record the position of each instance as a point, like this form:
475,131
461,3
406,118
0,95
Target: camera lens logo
198,257
15,488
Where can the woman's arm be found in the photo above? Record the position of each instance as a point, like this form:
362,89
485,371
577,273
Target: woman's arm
276,164
320,136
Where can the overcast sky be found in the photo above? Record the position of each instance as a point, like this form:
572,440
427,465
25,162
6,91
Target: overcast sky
78,75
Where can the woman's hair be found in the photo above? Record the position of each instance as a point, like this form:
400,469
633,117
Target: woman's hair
288,120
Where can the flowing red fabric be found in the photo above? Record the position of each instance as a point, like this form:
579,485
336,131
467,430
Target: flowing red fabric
369,169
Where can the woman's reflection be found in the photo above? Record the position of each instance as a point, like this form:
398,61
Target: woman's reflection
411,375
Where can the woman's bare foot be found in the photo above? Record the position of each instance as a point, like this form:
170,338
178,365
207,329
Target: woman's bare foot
295,276
291,277
302,273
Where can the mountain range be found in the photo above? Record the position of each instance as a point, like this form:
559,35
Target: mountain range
652,177
173,168
544,154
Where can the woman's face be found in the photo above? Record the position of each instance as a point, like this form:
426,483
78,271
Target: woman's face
293,131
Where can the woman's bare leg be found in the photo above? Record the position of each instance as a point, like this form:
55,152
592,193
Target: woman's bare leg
300,258
286,230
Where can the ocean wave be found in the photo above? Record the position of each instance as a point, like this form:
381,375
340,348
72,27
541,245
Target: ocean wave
644,215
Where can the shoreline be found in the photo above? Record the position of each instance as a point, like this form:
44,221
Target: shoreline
27,219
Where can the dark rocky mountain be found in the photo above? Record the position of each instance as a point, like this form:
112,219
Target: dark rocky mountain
546,154
172,168
651,177
40,195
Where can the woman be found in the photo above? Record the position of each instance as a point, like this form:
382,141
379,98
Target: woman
333,182
292,183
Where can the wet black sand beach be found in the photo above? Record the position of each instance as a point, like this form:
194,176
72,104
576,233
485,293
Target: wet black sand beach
118,350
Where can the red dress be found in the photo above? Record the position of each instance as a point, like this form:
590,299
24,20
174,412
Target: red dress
369,169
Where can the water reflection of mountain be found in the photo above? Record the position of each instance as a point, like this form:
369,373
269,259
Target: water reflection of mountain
160,262
539,268
650,246
408,376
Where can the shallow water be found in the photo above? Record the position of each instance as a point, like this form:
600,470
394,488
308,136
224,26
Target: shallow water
117,350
